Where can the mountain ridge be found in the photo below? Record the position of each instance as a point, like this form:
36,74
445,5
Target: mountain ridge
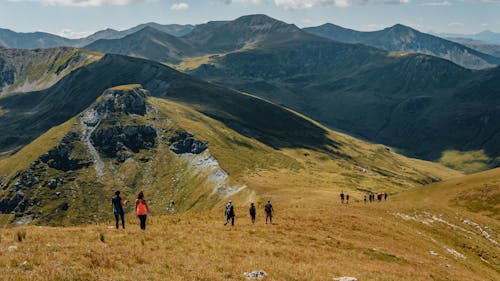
403,38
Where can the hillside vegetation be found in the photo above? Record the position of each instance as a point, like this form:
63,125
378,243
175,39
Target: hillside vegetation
418,235
174,151
34,70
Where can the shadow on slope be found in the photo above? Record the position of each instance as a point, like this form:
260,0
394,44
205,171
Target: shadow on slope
27,116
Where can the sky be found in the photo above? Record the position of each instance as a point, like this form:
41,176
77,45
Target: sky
79,18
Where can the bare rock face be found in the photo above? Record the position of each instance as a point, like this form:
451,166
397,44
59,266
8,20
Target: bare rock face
130,100
113,136
60,157
345,278
184,142
117,140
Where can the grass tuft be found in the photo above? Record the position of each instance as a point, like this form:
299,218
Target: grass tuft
20,236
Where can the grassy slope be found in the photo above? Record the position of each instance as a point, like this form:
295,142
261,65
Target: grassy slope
44,67
314,238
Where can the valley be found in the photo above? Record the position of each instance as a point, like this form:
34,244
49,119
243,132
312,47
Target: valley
249,110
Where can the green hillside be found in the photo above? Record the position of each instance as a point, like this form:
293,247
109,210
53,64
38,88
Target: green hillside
34,70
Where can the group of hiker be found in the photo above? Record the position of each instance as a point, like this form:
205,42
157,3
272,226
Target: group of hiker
344,198
230,214
142,210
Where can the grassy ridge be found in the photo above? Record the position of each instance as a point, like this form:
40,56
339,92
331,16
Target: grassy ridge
313,238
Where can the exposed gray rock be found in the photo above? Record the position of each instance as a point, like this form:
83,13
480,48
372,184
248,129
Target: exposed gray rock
60,157
124,101
345,278
112,140
184,142
64,207
52,183
259,274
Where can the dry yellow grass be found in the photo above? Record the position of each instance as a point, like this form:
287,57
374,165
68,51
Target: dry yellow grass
311,240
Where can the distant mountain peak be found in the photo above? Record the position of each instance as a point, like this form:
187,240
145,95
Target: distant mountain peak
400,28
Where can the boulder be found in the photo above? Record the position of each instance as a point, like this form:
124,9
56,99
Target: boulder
259,274
345,278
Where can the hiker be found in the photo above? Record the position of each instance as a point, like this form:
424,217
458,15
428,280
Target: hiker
364,199
252,212
229,213
342,197
117,203
347,199
141,209
385,196
269,212
379,197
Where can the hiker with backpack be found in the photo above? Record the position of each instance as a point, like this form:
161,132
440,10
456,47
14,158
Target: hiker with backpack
269,212
141,209
252,212
229,212
342,197
118,204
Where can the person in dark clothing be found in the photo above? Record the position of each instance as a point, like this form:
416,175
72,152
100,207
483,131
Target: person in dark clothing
385,196
141,209
342,197
364,199
252,212
347,198
229,212
269,212
117,203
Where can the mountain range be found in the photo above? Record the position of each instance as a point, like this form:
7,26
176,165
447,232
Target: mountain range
404,38
423,105
34,40
486,36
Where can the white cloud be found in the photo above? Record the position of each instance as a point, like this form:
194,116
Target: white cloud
82,3
179,6
68,33
307,4
437,4
455,24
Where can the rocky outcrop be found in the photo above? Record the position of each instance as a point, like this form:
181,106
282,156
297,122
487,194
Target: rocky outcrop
119,141
183,142
109,118
131,100
60,157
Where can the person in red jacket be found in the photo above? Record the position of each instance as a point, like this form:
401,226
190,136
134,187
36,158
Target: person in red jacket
141,209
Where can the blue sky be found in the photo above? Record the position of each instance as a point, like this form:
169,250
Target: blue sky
76,18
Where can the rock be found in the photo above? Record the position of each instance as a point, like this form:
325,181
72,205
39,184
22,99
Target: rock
58,193
12,248
115,139
433,253
52,183
17,185
184,142
129,101
64,207
255,274
59,158
345,278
